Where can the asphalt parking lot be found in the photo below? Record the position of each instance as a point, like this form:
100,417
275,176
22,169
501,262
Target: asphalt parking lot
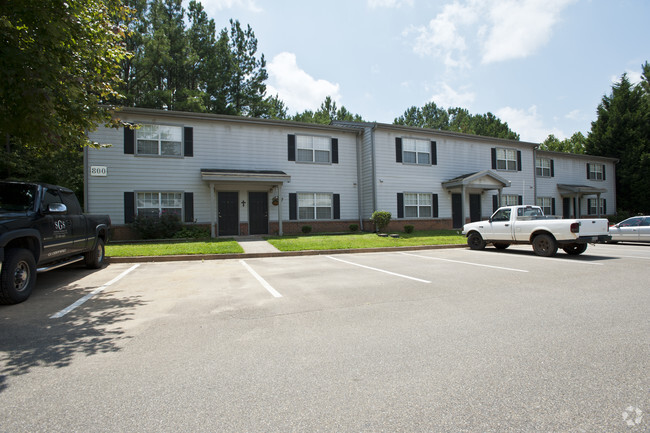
435,340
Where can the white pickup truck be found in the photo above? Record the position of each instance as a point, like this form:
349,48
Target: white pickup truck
528,225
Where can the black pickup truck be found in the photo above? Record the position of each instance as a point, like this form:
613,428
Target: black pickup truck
42,227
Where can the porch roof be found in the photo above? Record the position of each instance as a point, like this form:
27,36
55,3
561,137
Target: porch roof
579,189
229,175
486,179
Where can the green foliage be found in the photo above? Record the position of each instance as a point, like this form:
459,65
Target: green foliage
190,231
380,219
327,112
306,229
622,130
212,246
457,120
60,61
164,226
575,144
354,227
409,228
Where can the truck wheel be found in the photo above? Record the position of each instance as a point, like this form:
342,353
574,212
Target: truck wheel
95,258
475,241
575,249
545,245
18,276
501,246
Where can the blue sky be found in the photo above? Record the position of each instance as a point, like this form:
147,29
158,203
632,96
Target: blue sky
540,65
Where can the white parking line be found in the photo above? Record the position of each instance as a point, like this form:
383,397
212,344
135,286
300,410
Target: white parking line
379,270
465,263
91,294
566,259
262,281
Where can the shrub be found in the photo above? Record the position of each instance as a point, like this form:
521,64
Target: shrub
192,232
157,227
306,229
354,227
380,219
409,228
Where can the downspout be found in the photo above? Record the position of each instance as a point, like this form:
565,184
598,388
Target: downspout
374,168
535,175
86,179
359,185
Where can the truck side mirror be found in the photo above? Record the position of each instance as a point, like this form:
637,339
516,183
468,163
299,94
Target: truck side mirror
490,220
57,208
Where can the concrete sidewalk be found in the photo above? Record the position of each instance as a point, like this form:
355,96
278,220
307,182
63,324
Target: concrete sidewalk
255,245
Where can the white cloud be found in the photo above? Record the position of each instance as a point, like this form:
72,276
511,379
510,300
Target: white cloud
574,115
499,29
528,124
299,90
633,76
374,4
230,4
448,97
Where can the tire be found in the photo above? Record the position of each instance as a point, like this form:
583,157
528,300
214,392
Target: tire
95,258
501,246
575,249
475,241
18,276
545,245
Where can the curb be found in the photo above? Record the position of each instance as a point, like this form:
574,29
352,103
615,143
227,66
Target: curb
195,257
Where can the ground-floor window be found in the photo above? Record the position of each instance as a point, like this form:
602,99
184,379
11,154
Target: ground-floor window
314,206
596,206
546,203
509,200
417,205
158,203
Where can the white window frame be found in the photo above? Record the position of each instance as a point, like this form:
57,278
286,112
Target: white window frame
418,205
591,206
156,203
506,159
509,200
314,206
546,203
596,171
543,167
416,151
315,149
161,137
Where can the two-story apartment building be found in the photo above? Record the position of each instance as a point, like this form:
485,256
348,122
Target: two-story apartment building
257,176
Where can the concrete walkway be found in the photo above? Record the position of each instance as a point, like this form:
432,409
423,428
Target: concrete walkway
255,245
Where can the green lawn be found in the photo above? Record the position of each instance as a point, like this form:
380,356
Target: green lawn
213,246
365,240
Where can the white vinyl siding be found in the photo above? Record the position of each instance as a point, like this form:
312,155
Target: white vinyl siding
313,149
416,151
314,206
154,204
159,140
506,159
418,205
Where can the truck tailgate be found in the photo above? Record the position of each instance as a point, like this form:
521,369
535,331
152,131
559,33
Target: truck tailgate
593,227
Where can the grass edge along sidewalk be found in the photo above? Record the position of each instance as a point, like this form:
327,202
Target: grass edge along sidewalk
226,248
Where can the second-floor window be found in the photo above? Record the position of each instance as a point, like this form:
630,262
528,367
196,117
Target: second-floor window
596,171
506,159
416,151
543,167
313,149
162,140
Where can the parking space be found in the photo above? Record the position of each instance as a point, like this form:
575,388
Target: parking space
500,340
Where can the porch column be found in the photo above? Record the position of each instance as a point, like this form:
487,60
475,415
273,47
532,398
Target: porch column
598,204
213,211
280,210
462,204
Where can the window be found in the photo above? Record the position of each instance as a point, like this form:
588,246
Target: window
154,204
313,149
314,206
593,210
543,167
596,171
418,205
546,203
501,215
509,200
416,151
506,159
632,222
159,140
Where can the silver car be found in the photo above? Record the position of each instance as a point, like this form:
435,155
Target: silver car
635,229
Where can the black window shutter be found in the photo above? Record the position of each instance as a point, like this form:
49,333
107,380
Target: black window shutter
604,172
520,200
400,205
398,149
494,158
495,203
553,206
292,147
434,153
336,202
129,207
587,170
519,160
604,204
129,140
552,169
335,150
188,204
188,140
293,206
435,205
